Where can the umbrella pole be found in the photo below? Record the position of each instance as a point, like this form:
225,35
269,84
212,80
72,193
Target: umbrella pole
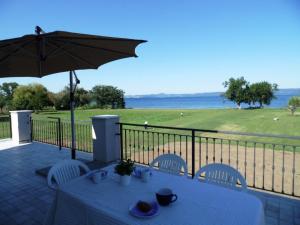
73,148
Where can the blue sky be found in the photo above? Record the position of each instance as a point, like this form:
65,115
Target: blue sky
193,46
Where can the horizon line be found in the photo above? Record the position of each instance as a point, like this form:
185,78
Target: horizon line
196,93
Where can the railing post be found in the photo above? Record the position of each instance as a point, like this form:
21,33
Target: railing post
121,141
193,153
10,126
59,132
31,134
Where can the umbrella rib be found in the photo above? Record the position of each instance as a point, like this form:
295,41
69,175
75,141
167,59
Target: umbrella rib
100,48
72,55
5,43
55,50
15,51
24,50
95,37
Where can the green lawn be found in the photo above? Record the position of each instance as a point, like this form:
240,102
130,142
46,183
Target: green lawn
4,127
256,121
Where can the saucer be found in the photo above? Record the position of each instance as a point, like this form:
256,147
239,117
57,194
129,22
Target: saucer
134,211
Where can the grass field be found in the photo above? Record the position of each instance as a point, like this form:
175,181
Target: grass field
4,127
257,121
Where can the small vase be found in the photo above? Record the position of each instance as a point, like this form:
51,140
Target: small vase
125,180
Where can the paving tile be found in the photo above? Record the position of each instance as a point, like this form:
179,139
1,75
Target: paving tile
273,207
29,210
3,218
284,222
272,214
297,212
8,221
286,218
9,209
39,217
296,221
20,217
271,221
287,212
46,198
28,222
31,222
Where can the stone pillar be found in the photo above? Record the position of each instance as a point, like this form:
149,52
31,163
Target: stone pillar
106,142
21,126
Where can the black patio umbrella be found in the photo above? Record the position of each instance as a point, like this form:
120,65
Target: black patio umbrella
41,54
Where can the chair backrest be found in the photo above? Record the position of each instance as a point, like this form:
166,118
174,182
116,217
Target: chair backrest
65,171
170,163
223,175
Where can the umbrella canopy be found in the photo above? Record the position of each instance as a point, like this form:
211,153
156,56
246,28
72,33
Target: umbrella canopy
47,53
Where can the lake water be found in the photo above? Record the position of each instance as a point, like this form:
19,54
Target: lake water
214,101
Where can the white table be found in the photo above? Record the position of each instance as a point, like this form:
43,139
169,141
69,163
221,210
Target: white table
84,203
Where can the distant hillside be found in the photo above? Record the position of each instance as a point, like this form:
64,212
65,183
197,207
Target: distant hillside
287,91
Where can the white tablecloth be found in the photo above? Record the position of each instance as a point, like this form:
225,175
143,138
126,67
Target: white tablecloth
81,202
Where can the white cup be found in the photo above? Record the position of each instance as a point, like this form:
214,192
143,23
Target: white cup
97,178
145,175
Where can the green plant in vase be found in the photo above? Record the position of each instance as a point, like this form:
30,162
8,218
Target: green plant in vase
125,169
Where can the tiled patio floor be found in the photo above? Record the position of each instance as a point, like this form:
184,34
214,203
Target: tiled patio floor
25,197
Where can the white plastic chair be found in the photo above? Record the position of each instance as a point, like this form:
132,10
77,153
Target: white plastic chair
65,171
170,163
223,175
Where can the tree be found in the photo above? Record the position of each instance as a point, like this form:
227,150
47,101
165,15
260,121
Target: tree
7,91
2,102
82,97
237,90
108,96
32,96
263,93
51,97
62,99
294,103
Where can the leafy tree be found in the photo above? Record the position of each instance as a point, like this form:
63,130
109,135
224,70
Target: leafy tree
51,97
108,96
7,91
32,96
2,102
82,97
262,92
294,103
247,95
62,99
237,90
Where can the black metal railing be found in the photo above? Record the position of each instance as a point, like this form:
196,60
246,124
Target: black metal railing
268,162
58,132
5,127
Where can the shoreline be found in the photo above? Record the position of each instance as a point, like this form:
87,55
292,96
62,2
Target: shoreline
271,108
